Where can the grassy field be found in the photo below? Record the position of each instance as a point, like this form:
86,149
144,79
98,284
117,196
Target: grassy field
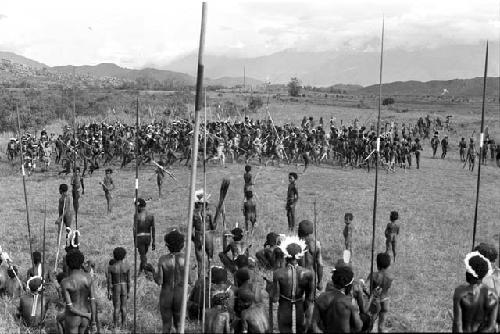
435,204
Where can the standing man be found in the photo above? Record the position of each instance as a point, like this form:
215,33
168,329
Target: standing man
462,145
119,286
335,310
108,186
293,287
249,211
160,175
65,212
434,144
78,294
417,147
198,231
475,305
312,258
391,232
144,232
170,276
76,183
292,197
444,147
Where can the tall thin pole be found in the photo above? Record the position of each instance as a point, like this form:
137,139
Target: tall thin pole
203,269
315,250
24,186
244,79
194,159
377,156
74,151
136,209
481,148
43,252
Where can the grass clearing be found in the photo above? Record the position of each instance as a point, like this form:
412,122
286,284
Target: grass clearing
435,204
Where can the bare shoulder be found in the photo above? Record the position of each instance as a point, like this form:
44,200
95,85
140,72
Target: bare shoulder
460,291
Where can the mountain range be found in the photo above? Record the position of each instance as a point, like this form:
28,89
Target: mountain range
409,72
350,67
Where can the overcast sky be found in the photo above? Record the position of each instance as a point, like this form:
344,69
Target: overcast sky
135,33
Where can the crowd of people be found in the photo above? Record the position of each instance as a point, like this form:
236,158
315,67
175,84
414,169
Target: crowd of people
312,142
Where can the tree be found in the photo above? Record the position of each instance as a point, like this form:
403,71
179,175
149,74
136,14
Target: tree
387,101
294,87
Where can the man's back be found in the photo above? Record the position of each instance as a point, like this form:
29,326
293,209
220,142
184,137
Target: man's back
172,266
254,319
475,302
78,285
339,314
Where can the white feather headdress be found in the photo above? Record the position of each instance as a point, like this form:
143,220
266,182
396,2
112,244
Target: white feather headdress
471,270
200,196
290,240
73,238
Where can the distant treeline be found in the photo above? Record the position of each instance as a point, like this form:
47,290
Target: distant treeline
37,107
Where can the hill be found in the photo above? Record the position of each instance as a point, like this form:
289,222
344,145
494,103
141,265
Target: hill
15,58
456,87
112,70
349,67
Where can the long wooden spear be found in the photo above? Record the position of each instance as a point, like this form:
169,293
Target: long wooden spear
481,143
74,186
43,254
136,209
194,159
378,157
203,268
24,186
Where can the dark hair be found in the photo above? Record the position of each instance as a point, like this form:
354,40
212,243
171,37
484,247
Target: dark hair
119,253
383,261
248,168
248,194
292,174
237,233
174,241
271,239
63,187
348,216
37,258
342,276
488,251
141,203
480,266
305,228
394,216
75,259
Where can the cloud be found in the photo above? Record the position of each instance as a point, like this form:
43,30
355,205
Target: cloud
160,31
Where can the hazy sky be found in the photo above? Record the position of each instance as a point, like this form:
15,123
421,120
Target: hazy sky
134,33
